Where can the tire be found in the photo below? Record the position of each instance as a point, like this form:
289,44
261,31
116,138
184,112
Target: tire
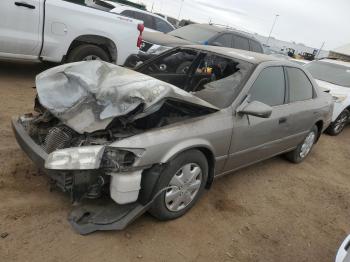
299,154
336,127
87,52
162,208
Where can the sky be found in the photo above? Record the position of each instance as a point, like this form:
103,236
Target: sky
310,22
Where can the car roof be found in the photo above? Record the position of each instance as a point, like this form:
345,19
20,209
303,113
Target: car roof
251,57
335,61
223,29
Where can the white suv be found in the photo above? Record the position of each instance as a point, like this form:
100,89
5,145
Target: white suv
334,75
151,21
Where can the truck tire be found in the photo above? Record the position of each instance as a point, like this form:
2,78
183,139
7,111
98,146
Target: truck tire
184,177
87,52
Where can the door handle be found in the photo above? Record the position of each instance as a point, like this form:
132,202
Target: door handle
282,120
24,4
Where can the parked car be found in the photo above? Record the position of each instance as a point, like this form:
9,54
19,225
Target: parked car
204,34
152,22
63,31
343,254
334,75
155,138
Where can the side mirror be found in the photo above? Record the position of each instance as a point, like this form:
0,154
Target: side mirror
257,109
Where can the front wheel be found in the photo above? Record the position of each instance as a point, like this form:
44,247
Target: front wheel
304,148
336,127
184,179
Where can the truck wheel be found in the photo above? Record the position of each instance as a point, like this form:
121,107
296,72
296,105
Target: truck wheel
185,177
304,148
87,53
336,127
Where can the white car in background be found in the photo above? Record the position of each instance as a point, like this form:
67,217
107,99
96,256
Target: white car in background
152,22
343,254
334,75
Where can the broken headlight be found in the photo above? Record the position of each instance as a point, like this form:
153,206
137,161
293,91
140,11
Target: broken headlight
75,158
120,158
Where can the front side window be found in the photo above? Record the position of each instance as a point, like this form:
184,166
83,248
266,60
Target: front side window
269,87
240,43
300,87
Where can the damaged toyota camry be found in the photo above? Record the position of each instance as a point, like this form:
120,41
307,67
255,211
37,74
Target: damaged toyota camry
124,142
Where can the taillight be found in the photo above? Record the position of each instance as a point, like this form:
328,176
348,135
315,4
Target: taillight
140,27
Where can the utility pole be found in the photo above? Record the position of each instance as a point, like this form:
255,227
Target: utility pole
273,25
182,2
319,51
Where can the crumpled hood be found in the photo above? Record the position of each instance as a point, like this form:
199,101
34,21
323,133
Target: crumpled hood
164,39
87,96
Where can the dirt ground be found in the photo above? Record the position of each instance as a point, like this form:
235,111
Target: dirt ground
272,211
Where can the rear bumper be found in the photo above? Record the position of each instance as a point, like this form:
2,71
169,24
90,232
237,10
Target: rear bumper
33,151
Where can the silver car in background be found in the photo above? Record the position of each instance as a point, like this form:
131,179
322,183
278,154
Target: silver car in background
155,138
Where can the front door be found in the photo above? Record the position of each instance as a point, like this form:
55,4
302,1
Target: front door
255,139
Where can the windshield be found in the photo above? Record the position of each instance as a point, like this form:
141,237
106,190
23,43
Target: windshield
329,72
194,33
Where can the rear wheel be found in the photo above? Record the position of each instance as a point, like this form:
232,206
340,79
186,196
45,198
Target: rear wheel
185,178
304,148
336,127
87,53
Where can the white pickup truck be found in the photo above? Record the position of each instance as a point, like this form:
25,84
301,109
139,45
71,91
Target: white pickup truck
65,31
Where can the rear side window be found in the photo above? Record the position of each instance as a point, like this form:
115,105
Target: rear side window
224,40
128,13
300,87
240,42
162,26
255,46
269,87
147,20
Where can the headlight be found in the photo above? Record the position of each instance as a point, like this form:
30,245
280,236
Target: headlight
338,98
157,49
76,158
120,158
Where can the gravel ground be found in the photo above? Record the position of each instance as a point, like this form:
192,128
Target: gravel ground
272,211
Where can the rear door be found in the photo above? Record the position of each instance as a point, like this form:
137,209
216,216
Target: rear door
303,109
20,27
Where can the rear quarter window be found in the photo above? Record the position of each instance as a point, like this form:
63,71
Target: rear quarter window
255,46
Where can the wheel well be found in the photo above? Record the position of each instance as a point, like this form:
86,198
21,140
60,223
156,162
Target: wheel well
211,165
319,125
105,43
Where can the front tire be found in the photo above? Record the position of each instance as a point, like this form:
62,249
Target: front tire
186,177
87,53
299,154
336,127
